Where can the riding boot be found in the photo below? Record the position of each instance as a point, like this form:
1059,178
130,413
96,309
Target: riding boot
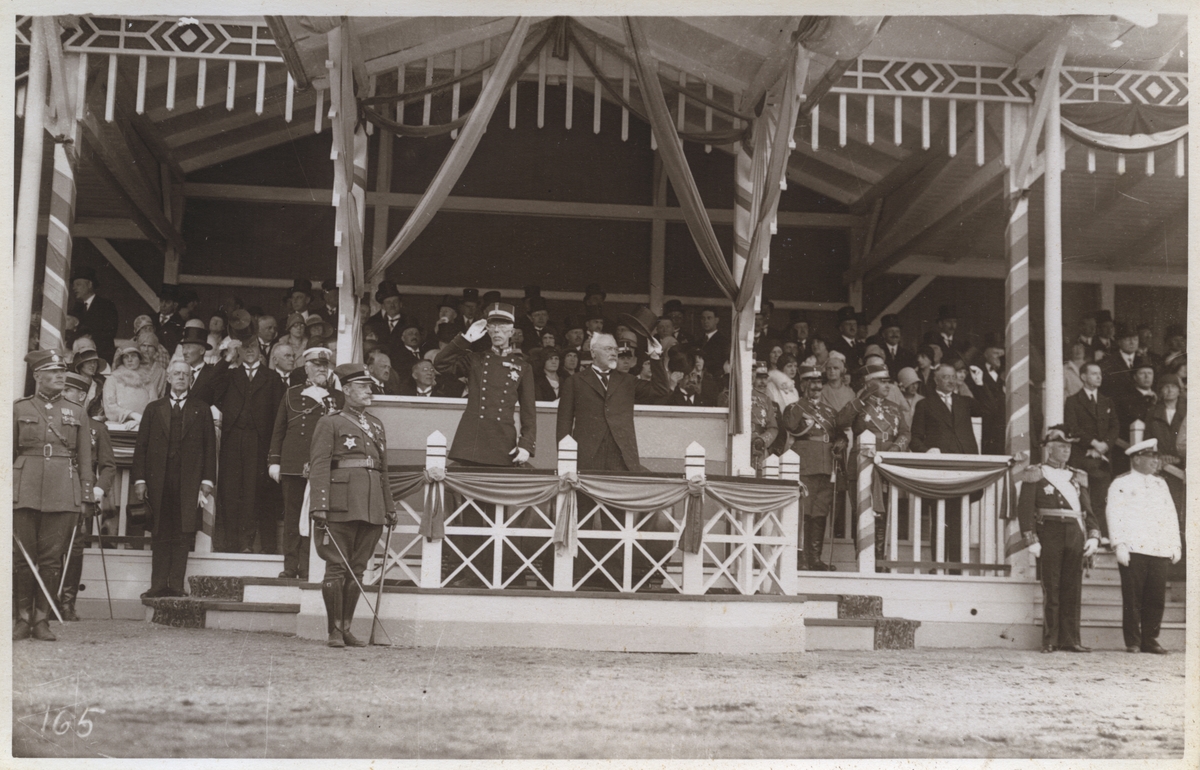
814,537
70,589
350,594
42,610
331,592
25,586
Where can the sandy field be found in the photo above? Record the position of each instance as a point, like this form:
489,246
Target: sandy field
134,689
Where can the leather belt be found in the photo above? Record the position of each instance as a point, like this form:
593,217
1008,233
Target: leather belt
1059,513
369,464
46,451
824,438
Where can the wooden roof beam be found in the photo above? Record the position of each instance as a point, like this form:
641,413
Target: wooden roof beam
922,264
300,127
287,47
215,120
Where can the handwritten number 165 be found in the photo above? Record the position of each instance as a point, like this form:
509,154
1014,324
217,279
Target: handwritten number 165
61,726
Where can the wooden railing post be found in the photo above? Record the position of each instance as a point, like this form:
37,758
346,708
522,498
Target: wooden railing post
977,429
865,541
431,550
693,563
1137,431
789,470
564,564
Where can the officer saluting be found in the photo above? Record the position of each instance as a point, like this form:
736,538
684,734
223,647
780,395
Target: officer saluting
287,461
813,426
497,382
350,498
52,479
871,410
1057,523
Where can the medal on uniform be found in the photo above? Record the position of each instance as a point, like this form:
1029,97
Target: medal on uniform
351,442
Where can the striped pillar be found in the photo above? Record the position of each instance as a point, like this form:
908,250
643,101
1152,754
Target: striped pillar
56,288
1016,338
865,539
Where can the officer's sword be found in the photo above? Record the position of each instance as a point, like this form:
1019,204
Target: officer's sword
374,614
38,577
67,564
387,548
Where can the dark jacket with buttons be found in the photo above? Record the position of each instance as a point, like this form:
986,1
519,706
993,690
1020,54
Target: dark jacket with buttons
52,455
496,385
295,421
360,493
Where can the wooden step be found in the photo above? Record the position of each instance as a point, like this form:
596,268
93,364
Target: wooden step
256,589
223,587
189,612
1111,610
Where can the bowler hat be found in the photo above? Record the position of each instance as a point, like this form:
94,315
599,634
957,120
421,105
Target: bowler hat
87,273
797,316
846,313
47,360
572,322
490,298
643,320
194,336
386,289
470,295
1124,330
1103,316
672,306
889,321
947,312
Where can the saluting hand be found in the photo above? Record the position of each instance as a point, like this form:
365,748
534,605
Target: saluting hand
476,330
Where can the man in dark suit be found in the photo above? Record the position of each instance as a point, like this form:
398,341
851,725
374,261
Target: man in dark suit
97,315
385,381
1104,344
1120,364
986,384
942,422
846,340
713,341
406,349
423,381
248,396
1092,416
287,459
536,323
174,461
1137,402
954,345
688,383
168,324
889,339
204,375
388,323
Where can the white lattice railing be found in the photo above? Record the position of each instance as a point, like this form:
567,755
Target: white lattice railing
505,547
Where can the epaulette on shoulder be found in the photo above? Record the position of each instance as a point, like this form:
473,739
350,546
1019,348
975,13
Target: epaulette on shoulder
1029,474
26,398
1080,477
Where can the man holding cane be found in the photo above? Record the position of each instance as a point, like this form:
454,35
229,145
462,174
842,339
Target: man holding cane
350,499
52,479
813,425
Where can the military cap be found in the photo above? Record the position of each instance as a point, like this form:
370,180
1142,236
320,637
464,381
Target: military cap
80,381
318,355
873,372
761,368
348,373
1060,434
809,373
500,311
625,348
47,360
1149,445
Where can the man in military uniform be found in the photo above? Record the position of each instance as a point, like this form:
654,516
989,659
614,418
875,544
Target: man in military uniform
813,427
350,498
52,479
105,472
872,410
497,382
287,460
1055,514
764,418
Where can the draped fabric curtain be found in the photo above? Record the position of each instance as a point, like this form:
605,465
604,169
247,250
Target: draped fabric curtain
775,137
639,494
1126,128
931,476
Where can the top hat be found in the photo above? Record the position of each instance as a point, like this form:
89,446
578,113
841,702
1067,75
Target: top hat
187,295
194,336
572,322
533,290
386,289
470,295
1059,433
448,301
500,311
643,320
47,360
594,314
947,312
796,317
672,306
329,284
348,373
594,288
169,291
490,298
889,321
536,303
87,273
1124,330
993,340
299,285
1103,316
846,313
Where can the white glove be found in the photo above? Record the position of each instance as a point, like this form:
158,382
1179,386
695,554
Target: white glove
934,451
976,375
201,498
654,348
1175,557
1122,554
97,494
1036,550
1090,547
476,330
519,455
273,472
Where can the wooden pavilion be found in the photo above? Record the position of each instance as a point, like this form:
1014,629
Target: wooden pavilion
888,163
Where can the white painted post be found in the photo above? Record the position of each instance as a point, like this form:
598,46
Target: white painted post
564,565
1137,430
316,565
1052,230
789,470
893,515
939,534
866,510
915,506
431,551
693,563
29,198
977,429
964,531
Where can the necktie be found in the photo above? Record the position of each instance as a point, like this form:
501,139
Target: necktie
176,404
392,324
1091,399
250,372
948,398
604,379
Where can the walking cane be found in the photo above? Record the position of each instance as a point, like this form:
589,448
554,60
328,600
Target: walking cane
104,564
350,571
62,581
387,549
37,576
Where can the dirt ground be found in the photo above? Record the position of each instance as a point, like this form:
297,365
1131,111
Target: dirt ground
134,689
